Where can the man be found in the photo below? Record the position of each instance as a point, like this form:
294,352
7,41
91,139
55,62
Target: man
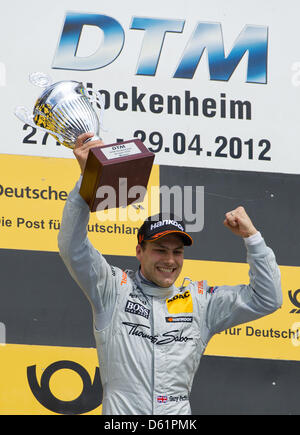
150,335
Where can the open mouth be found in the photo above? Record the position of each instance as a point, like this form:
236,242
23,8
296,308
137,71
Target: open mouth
166,269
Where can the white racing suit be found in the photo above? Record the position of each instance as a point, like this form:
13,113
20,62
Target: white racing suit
150,339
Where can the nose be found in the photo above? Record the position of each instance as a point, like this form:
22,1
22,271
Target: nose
169,258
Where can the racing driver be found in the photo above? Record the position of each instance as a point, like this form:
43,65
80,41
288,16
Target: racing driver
149,334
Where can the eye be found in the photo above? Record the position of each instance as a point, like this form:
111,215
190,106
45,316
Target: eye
160,250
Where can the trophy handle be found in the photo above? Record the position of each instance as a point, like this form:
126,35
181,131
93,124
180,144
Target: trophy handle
40,79
24,115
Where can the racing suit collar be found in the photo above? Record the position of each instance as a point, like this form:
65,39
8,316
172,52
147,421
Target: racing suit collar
152,289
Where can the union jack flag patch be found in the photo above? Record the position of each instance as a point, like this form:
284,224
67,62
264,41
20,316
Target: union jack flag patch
162,399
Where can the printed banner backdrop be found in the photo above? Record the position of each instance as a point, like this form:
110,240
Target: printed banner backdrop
33,203
276,336
49,380
206,86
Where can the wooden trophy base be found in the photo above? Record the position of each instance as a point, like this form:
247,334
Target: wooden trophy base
121,166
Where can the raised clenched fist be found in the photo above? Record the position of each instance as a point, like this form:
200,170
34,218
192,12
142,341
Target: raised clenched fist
239,222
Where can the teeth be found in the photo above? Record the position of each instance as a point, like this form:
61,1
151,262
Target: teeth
165,269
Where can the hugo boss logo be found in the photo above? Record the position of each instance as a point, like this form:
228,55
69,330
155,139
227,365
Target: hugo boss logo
136,308
89,399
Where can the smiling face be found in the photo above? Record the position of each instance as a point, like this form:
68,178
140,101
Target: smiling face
161,260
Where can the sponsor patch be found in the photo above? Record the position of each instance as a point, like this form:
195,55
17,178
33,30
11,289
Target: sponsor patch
124,278
180,303
141,331
139,296
200,287
179,319
166,222
136,308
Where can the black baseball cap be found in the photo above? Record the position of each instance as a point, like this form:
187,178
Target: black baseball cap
157,226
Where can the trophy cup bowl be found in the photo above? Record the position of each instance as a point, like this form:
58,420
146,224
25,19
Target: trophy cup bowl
64,110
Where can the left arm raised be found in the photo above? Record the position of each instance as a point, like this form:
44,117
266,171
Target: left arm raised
232,305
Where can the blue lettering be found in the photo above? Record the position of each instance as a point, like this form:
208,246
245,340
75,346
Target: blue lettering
155,32
109,50
207,36
253,39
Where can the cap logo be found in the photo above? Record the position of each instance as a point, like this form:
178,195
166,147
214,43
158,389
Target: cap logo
166,222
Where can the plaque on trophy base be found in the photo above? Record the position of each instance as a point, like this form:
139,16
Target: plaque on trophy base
120,166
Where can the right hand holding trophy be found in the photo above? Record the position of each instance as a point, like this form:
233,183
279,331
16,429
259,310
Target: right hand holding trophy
65,110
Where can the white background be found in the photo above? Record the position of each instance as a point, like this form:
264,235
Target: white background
30,32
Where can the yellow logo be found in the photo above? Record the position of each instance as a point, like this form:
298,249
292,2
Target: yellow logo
180,303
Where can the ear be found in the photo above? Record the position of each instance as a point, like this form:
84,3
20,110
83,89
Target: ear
138,252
